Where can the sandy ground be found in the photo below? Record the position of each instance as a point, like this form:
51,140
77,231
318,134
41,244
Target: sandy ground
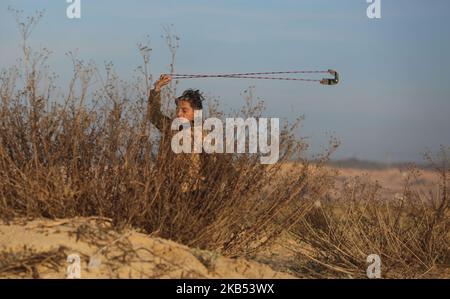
41,248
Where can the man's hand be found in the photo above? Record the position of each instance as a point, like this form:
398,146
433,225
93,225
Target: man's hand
163,81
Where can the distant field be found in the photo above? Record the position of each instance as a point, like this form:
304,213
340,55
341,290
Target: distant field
391,179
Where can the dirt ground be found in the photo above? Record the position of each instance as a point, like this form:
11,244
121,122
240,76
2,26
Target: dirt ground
41,249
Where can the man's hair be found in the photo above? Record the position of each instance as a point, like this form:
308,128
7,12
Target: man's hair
194,97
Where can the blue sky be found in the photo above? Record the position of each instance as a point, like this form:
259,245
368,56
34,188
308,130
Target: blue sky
392,104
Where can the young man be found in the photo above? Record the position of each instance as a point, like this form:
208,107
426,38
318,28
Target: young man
191,164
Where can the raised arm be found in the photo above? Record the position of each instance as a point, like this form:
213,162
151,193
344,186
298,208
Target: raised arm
154,113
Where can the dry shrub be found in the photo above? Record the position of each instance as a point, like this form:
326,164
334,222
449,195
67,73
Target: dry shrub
92,152
26,262
410,232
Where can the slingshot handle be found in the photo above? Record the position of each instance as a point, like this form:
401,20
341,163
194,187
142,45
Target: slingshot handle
331,81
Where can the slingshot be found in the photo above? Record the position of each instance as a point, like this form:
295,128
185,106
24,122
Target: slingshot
324,81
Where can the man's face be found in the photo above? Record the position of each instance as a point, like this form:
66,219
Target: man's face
184,109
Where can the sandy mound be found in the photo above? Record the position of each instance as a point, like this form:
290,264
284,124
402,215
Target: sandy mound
47,249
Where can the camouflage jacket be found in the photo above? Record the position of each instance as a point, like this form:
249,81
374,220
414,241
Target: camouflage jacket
194,162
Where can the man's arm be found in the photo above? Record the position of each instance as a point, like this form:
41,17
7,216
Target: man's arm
154,113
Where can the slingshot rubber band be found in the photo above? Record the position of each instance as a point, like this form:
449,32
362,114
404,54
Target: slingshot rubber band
324,81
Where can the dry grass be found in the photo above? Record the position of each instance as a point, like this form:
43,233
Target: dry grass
92,152
409,232
25,263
